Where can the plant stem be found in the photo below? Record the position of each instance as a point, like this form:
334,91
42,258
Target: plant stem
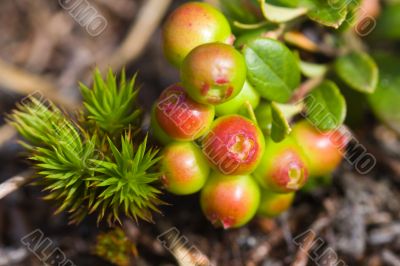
139,35
250,111
14,183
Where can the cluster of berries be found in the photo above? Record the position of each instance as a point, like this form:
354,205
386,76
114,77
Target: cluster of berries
212,142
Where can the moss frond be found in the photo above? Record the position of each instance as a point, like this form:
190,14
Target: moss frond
37,121
126,180
83,166
110,106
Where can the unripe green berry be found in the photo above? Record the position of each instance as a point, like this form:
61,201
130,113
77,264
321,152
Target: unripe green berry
283,167
180,117
234,145
273,204
230,201
184,168
238,103
322,149
213,73
191,25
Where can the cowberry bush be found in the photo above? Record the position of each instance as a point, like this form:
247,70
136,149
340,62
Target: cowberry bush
258,113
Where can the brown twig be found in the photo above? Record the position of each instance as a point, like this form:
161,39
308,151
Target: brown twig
302,255
305,88
390,258
14,183
148,19
22,82
12,256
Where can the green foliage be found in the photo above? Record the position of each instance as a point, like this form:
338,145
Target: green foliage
273,70
264,117
326,106
283,3
64,170
385,102
276,74
37,122
328,13
280,127
110,106
280,14
359,71
311,70
273,118
125,179
81,172
58,152
115,247
353,8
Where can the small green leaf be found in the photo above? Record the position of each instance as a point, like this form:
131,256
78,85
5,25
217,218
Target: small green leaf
264,117
328,13
385,101
110,105
290,110
353,10
252,26
280,14
312,70
286,3
280,126
359,71
251,34
326,106
273,69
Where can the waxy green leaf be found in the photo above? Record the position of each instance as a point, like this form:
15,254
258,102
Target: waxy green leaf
326,106
273,69
264,117
312,70
329,13
359,71
280,126
280,14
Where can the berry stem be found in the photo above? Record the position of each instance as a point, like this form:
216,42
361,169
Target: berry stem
251,113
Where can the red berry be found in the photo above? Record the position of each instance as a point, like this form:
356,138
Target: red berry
184,168
180,117
283,167
157,132
322,149
191,25
213,73
230,201
273,204
234,145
